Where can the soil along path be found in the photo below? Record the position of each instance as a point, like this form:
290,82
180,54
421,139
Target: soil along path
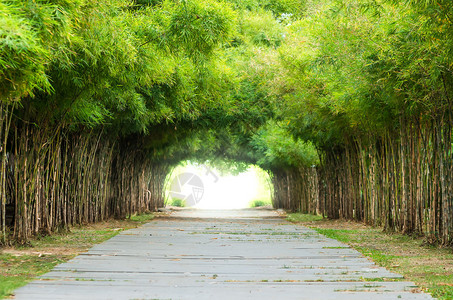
242,254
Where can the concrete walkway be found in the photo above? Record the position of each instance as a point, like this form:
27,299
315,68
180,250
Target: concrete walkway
247,254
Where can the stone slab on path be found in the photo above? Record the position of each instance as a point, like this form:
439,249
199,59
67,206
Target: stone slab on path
237,254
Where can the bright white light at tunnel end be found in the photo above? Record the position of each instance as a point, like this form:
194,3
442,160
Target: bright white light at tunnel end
229,191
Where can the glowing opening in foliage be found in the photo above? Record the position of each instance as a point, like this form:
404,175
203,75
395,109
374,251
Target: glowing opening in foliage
203,187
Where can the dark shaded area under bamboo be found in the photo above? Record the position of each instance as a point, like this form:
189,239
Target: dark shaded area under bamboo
402,181
53,178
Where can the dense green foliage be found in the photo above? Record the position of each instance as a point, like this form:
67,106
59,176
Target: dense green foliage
99,99
346,103
370,84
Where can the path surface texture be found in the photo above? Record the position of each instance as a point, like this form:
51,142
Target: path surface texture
247,254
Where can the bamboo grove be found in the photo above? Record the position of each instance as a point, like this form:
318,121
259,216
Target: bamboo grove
370,85
100,99
347,104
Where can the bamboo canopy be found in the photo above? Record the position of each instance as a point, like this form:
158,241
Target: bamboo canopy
347,104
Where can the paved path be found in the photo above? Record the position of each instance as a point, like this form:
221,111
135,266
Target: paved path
248,254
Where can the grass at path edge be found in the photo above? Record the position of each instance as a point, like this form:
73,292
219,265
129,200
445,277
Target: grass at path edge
430,267
21,264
